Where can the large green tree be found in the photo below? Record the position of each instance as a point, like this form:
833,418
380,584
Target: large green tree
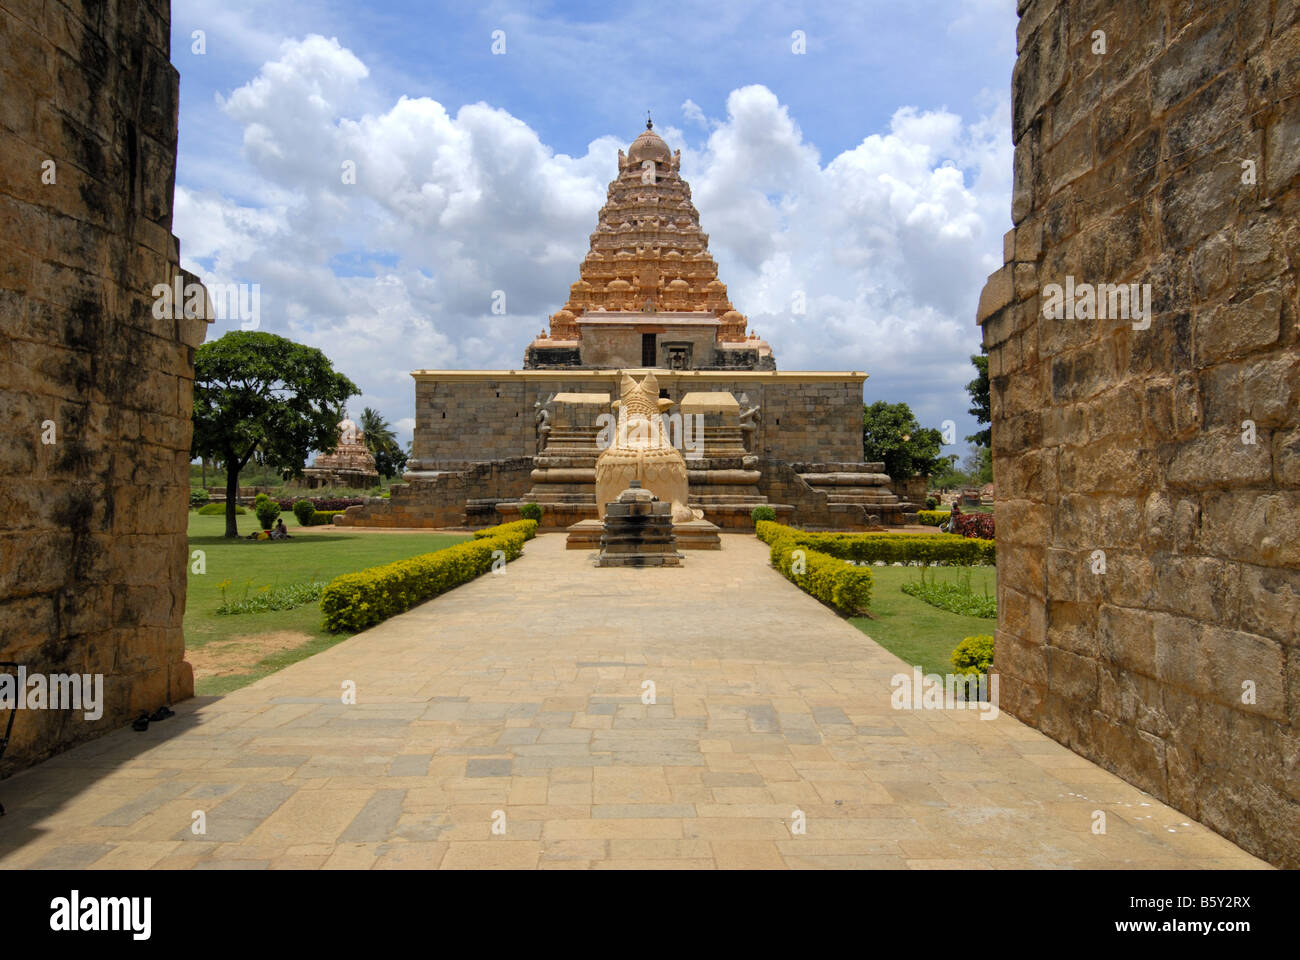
979,465
890,433
382,443
946,474
979,398
258,393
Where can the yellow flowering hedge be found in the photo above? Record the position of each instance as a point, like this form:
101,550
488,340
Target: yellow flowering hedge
890,547
932,518
829,579
527,527
355,601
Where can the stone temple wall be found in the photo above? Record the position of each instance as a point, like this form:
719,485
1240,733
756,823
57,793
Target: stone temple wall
93,553
1172,453
463,417
465,496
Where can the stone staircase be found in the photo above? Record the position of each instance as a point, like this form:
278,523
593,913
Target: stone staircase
855,488
723,483
563,478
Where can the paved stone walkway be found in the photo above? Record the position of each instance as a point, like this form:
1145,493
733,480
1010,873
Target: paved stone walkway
520,695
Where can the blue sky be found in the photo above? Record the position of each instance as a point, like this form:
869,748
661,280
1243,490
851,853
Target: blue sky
871,173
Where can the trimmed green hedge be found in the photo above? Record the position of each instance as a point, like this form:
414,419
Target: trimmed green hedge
323,518
932,518
219,510
829,579
889,547
527,527
359,600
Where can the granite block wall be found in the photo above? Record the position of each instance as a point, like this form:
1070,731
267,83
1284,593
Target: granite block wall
97,391
1147,455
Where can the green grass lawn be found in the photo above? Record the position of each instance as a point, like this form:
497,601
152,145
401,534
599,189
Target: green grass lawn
912,629
246,647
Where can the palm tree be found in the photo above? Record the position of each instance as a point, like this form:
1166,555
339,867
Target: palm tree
382,443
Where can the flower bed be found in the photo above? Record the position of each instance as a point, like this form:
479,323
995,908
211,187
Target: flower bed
323,503
972,524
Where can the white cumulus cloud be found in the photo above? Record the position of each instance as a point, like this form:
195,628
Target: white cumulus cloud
885,245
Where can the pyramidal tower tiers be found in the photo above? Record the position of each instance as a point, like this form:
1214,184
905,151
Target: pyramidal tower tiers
648,293
647,303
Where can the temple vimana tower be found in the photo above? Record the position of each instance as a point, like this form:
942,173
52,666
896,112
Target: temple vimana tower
648,293
647,299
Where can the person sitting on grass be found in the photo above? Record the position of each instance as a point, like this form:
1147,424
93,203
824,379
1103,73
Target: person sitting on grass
281,532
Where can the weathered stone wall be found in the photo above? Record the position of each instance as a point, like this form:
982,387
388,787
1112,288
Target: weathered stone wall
93,553
462,418
912,489
468,420
1170,159
779,482
445,500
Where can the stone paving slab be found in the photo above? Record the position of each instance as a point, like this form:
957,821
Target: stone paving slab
503,725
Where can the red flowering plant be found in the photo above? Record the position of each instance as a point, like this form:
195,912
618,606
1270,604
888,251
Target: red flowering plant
972,524
325,503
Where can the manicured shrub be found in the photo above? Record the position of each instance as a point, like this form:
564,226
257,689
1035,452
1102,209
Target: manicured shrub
356,601
886,547
323,518
931,503
932,518
762,512
526,527
304,511
531,511
198,498
829,579
266,509
974,654
219,510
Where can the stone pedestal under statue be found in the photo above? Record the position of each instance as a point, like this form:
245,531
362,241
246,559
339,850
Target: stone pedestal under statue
690,535
638,531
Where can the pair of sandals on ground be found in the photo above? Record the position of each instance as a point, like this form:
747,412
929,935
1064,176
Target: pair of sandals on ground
142,722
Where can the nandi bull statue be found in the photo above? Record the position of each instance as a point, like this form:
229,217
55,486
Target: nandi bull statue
640,449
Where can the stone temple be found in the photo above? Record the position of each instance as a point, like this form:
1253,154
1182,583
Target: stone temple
349,464
647,299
